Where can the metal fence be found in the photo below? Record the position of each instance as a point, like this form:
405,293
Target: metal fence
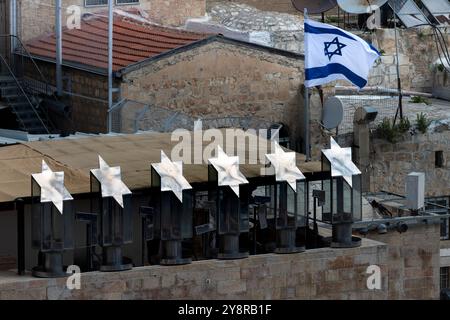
384,100
131,117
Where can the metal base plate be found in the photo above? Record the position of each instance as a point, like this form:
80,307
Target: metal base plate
232,256
39,272
175,262
289,250
120,267
356,242
126,265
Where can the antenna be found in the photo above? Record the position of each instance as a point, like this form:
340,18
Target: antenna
360,6
333,113
314,6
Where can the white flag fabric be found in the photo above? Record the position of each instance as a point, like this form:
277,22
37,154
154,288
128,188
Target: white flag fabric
333,54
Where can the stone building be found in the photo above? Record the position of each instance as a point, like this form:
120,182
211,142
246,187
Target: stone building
37,17
198,74
408,262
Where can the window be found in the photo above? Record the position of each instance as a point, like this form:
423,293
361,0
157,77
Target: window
126,1
445,283
90,3
438,206
439,159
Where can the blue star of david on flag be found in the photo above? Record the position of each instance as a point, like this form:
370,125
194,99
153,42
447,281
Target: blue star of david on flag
338,50
334,54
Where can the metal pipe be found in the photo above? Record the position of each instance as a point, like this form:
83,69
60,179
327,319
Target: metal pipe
385,90
306,115
110,62
13,24
20,211
58,34
399,81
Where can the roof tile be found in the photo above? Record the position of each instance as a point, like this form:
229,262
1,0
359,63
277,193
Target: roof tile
133,42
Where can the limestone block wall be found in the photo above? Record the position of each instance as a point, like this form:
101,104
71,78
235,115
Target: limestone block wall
222,79
284,6
413,262
316,274
417,56
392,162
409,265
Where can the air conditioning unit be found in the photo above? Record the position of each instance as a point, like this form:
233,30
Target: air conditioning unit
415,190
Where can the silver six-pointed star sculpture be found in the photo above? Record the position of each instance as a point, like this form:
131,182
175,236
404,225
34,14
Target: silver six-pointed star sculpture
171,173
110,180
285,166
341,162
52,186
228,170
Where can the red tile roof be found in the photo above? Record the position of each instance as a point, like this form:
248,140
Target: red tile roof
133,40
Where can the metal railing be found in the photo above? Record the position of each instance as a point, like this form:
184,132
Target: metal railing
19,86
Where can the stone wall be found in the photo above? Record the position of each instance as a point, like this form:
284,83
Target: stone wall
315,274
409,265
37,17
391,163
89,99
417,57
222,79
283,6
413,262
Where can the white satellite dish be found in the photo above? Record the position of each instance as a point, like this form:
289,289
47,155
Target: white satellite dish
333,113
360,6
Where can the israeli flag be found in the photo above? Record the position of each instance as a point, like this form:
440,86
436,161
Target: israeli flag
332,54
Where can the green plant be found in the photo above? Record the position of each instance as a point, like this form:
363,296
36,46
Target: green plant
418,99
422,122
440,67
404,125
332,19
388,131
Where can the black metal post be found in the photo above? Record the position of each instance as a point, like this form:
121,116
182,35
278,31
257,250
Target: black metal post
20,211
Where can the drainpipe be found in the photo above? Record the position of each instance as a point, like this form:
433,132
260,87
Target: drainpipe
58,34
110,62
13,24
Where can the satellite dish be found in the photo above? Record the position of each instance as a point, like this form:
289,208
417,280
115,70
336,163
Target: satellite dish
360,6
314,6
333,113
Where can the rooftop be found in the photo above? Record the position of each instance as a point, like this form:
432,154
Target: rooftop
134,153
134,40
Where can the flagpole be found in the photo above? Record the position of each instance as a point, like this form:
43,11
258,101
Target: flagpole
399,81
306,93
110,63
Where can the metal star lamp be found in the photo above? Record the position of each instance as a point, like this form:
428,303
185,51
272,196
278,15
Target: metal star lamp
343,199
288,200
229,189
172,201
52,221
111,202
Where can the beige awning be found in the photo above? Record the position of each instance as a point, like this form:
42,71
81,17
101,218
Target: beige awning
134,153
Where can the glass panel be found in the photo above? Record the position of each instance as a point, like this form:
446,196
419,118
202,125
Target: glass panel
301,203
229,205
127,222
107,221
357,198
445,281
244,225
69,223
186,219
47,226
36,231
